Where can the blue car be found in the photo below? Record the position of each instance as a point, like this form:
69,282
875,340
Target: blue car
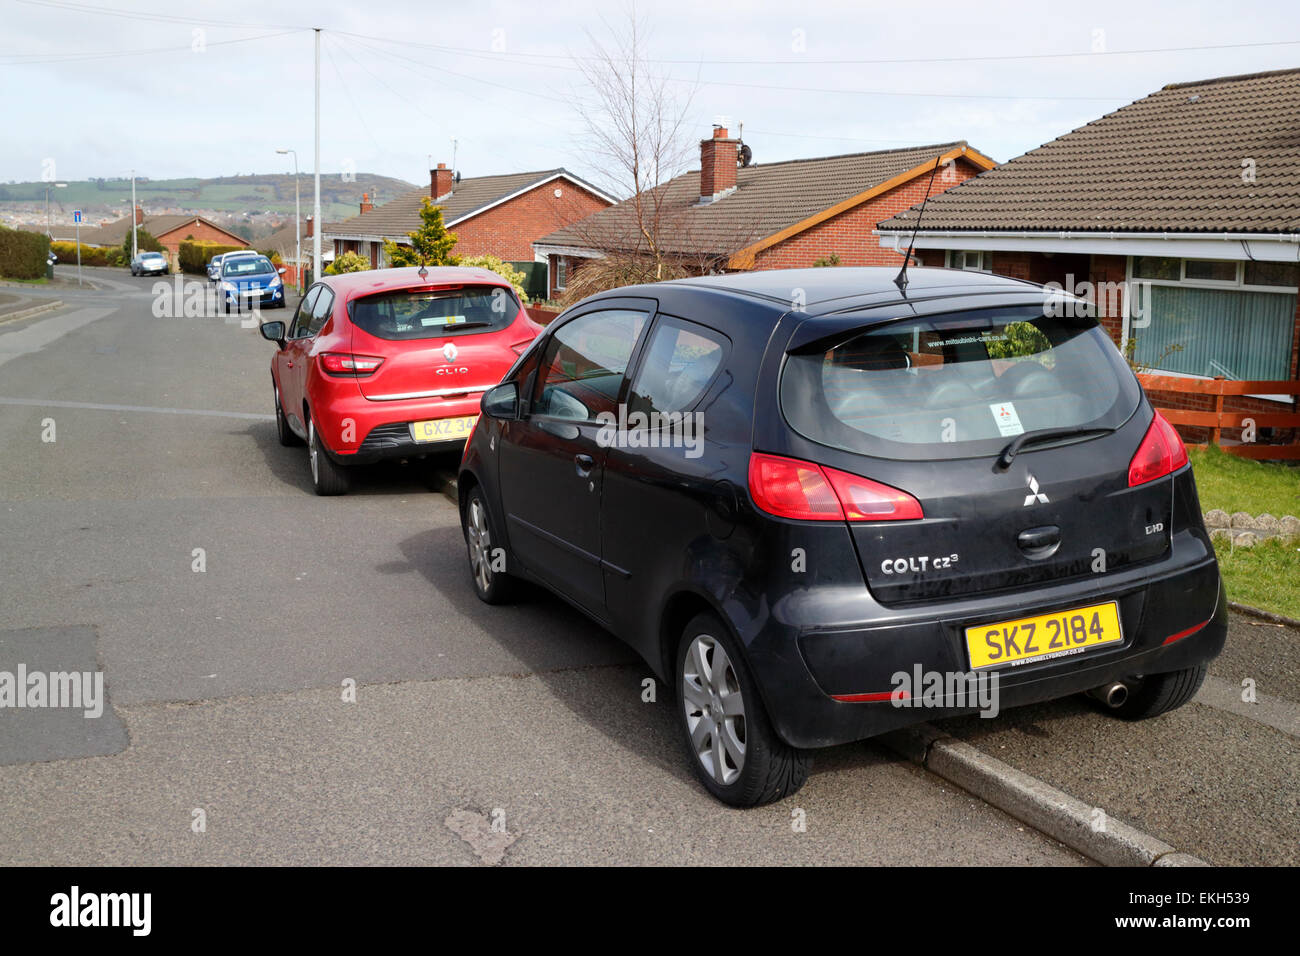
251,281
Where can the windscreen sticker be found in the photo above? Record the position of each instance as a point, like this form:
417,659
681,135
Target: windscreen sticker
1004,413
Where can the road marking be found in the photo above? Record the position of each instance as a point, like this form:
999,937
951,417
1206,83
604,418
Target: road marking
95,406
1273,712
40,334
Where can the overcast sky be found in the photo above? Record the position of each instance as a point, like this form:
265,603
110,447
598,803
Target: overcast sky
170,101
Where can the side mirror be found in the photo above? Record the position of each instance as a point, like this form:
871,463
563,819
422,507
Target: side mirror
282,270
501,401
273,332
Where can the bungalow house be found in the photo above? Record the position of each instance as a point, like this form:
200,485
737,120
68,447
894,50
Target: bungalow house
732,215
170,231
61,232
490,215
1182,213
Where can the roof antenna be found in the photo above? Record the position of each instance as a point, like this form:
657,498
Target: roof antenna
900,280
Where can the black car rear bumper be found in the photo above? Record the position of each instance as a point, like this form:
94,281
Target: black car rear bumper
801,669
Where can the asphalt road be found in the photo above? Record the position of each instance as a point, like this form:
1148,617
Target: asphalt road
226,686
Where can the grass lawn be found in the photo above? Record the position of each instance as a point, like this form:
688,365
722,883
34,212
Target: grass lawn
41,281
1266,576
1238,484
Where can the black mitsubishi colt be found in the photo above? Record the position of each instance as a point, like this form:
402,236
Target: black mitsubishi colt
821,508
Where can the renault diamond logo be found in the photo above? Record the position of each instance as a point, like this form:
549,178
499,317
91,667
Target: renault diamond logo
449,352
1034,496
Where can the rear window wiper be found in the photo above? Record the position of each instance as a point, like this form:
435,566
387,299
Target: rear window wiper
1047,434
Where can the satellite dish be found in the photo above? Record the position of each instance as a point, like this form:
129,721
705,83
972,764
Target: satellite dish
455,177
745,155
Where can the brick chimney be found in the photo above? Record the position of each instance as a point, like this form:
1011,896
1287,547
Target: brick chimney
311,228
440,183
139,216
366,204
717,165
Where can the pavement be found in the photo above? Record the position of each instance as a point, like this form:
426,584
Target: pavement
292,679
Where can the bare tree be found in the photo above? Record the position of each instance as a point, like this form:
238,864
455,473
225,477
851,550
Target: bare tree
635,122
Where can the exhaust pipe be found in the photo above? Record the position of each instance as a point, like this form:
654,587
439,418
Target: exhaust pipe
1112,695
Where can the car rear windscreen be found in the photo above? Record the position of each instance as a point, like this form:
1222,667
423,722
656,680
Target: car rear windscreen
957,385
426,314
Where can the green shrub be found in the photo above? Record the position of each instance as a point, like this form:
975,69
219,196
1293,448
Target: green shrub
193,255
506,271
23,255
348,262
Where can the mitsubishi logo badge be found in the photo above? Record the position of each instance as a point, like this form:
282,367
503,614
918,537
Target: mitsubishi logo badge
1034,496
449,352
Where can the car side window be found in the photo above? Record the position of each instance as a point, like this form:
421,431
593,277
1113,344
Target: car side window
302,317
584,362
320,311
680,362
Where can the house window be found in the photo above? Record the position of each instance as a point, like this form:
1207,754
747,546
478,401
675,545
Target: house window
1212,317
561,273
970,260
1210,270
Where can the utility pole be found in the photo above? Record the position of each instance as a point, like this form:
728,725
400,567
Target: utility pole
316,223
297,219
134,249
48,187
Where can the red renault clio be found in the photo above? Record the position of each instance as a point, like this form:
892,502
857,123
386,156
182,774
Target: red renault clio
391,364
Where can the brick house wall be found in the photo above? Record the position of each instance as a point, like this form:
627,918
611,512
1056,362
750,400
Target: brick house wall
508,231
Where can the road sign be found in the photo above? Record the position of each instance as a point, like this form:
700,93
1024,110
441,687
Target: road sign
76,215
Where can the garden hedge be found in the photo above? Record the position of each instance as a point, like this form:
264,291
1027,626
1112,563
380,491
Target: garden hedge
23,254
195,254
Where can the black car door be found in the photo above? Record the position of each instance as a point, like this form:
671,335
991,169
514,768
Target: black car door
552,458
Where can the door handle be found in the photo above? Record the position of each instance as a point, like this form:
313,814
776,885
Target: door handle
584,464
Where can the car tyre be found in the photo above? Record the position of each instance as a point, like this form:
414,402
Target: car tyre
1156,694
327,476
492,584
740,759
287,438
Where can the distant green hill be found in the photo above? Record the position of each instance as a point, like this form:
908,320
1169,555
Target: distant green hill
235,194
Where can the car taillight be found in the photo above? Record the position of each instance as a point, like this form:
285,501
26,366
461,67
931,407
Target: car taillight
345,363
789,488
1161,452
867,500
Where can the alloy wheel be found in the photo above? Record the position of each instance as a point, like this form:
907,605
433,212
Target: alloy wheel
715,709
479,540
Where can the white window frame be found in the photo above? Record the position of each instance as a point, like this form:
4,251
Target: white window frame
561,273
1238,286
986,260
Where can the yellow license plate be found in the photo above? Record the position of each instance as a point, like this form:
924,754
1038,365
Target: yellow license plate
443,429
1041,638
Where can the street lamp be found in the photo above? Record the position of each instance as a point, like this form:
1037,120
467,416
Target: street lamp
48,187
297,219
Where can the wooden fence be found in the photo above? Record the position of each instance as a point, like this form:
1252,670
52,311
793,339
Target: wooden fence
1217,419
